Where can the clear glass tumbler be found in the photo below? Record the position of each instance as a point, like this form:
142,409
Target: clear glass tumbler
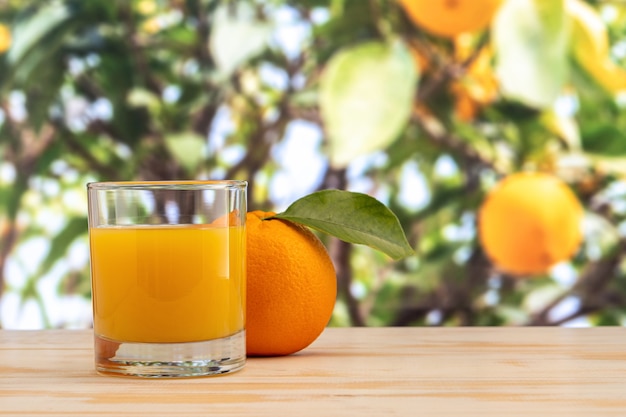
168,275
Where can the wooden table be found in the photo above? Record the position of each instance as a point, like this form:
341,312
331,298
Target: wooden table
346,372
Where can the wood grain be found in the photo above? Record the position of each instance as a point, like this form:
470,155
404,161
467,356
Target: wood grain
346,372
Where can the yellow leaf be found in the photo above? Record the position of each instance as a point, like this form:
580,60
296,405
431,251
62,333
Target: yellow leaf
5,38
590,47
590,38
611,77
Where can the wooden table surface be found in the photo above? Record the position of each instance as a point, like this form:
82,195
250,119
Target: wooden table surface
347,372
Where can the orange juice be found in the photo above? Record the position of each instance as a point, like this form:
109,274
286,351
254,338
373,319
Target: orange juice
168,283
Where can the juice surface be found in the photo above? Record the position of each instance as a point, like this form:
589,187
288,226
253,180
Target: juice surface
179,283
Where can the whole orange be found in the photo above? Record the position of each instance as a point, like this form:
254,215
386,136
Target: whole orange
449,18
529,222
292,286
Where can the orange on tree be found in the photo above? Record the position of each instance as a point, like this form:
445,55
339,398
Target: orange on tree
449,18
529,222
291,286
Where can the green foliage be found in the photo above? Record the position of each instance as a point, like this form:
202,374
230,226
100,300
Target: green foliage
171,89
531,42
366,95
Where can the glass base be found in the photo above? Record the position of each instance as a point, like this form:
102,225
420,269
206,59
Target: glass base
170,360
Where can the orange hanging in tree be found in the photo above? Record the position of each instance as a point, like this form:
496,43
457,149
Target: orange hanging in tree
449,18
529,222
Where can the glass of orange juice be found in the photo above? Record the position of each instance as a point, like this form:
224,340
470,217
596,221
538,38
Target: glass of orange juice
168,277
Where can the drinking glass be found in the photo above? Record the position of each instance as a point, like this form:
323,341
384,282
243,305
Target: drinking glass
168,277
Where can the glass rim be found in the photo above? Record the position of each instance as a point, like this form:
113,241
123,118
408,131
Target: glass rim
168,185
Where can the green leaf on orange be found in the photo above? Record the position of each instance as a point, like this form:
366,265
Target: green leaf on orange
352,217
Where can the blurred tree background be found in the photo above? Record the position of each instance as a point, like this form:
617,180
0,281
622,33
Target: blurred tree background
300,95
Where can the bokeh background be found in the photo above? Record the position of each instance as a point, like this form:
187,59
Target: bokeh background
154,89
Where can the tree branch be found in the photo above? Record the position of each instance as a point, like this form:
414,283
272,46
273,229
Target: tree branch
436,133
590,286
25,154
